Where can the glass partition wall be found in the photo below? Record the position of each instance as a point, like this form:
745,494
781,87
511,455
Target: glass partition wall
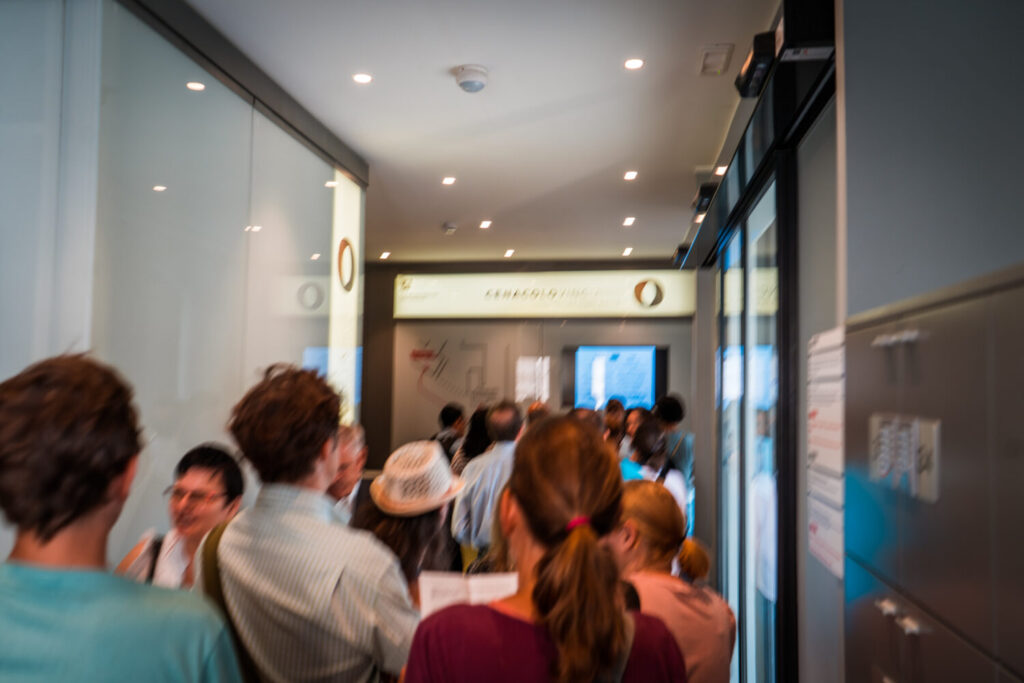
223,245
747,401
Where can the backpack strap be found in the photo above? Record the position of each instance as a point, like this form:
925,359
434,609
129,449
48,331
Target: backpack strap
213,589
154,551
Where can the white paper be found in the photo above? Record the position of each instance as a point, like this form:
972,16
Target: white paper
441,589
826,399
825,534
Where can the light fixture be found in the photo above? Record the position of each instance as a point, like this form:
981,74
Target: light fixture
627,251
331,183
248,228
159,188
630,175
448,180
385,255
634,63
315,257
699,218
362,79
196,86
509,252
629,221
257,228
484,225
720,170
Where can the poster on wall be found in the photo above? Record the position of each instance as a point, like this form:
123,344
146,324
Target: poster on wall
826,386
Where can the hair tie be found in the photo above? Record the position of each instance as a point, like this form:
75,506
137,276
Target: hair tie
575,522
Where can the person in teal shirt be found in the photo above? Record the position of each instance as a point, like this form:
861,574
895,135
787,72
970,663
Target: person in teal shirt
69,444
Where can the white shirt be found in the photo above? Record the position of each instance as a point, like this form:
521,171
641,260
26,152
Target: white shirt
345,507
485,476
675,482
171,563
312,599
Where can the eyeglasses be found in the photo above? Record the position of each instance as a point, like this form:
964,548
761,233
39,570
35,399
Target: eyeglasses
178,495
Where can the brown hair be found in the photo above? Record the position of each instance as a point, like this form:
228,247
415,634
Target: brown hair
67,428
416,541
282,423
658,520
564,472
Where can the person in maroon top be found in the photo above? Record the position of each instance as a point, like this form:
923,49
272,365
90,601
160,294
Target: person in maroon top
567,622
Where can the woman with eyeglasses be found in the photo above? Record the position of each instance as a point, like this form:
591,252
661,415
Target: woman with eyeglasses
207,490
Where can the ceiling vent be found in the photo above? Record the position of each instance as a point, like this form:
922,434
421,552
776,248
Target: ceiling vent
714,59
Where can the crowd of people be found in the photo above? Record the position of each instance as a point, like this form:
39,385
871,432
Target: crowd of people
318,579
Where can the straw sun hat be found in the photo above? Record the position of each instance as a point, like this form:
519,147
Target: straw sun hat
416,479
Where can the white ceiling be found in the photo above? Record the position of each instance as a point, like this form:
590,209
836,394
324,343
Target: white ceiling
542,149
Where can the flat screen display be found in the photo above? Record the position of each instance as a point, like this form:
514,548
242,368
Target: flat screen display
627,373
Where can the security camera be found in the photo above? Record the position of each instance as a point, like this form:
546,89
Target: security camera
471,77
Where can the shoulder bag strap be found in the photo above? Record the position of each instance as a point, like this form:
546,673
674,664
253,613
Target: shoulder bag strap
214,590
154,552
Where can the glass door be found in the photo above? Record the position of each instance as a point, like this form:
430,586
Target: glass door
748,396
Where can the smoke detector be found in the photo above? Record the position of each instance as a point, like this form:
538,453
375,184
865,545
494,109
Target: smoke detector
471,77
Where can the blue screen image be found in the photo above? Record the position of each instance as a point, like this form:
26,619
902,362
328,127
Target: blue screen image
622,372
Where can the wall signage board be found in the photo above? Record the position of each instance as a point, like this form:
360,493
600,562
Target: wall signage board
566,294
826,395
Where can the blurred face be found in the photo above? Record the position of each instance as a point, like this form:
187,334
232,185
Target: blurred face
198,502
633,420
350,469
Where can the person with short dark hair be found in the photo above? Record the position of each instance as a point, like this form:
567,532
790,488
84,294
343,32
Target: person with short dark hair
207,491
453,427
650,461
310,598
477,440
670,411
485,475
69,445
537,411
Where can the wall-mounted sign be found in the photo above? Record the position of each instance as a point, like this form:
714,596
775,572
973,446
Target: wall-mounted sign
571,294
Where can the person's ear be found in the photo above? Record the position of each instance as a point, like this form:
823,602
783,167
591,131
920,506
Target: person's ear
508,513
630,535
233,506
121,485
361,458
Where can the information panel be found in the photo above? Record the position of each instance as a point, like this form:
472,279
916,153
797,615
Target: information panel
564,294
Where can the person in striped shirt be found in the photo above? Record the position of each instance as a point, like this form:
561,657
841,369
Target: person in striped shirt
311,599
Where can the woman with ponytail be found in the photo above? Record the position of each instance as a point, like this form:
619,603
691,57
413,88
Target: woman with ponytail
650,536
567,621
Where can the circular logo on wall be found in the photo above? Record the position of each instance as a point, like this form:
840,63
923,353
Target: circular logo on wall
346,264
649,293
311,296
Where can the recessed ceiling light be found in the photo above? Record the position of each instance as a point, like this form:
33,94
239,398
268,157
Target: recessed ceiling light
385,255
159,188
634,63
629,221
195,85
248,228
699,218
484,225
630,175
331,183
627,251
720,170
257,228
362,79
448,180
315,257
509,252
